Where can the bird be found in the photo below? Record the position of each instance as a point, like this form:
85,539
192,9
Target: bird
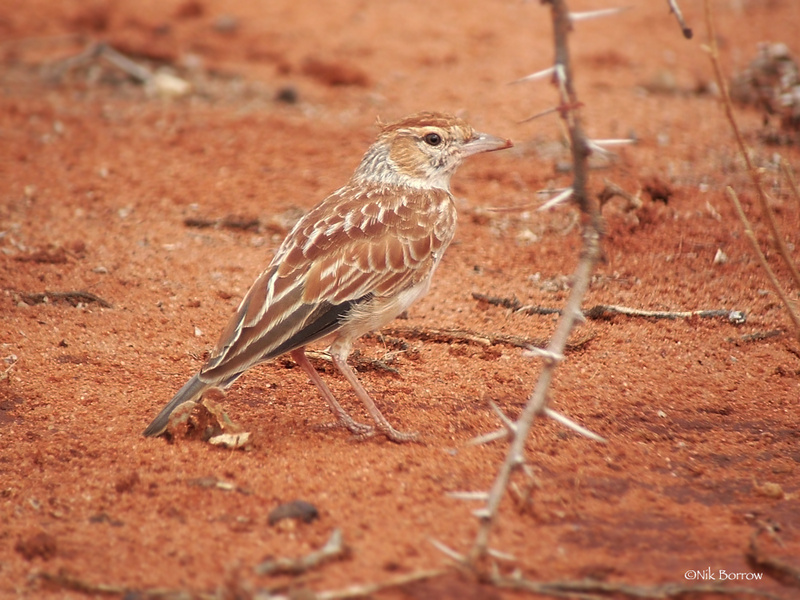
352,264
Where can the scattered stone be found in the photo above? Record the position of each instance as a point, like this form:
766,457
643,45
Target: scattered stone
233,441
167,86
54,256
658,190
191,9
769,489
298,509
334,73
126,483
39,545
226,24
287,94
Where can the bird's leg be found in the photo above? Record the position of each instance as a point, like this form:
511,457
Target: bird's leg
340,413
380,421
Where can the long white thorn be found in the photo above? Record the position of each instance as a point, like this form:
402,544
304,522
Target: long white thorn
600,145
447,550
523,207
548,111
546,355
570,424
501,555
551,191
561,78
567,193
484,514
535,76
487,438
507,209
614,142
480,496
507,423
596,14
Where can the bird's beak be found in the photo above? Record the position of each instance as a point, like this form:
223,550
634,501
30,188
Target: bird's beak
483,142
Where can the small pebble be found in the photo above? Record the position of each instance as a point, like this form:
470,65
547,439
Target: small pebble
287,94
298,509
226,24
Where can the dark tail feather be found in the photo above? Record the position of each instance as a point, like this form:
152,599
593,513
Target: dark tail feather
193,389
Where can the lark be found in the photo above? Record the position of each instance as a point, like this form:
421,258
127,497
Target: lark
353,263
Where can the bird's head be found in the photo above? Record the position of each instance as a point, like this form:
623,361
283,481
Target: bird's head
424,150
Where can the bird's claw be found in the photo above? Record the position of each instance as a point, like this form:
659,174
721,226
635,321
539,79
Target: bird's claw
362,432
399,437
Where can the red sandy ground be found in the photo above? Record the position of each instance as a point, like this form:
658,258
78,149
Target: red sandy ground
98,179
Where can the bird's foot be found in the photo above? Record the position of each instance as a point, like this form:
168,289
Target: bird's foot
362,431
398,437
353,426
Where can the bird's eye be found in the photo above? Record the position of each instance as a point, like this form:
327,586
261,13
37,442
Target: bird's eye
433,139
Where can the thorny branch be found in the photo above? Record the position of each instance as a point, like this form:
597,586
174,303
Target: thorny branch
571,314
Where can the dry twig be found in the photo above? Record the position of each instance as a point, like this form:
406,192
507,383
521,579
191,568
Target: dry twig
748,230
598,590
69,582
102,50
229,222
611,189
603,311
772,565
360,363
787,171
515,305
159,83
74,298
368,589
334,548
713,53
466,336
76,584
10,360
757,336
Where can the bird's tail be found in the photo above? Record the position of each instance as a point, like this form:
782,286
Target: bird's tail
192,391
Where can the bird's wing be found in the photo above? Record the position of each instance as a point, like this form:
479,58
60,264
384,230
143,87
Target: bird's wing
349,249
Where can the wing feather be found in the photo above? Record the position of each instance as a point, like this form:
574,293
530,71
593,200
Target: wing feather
350,249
